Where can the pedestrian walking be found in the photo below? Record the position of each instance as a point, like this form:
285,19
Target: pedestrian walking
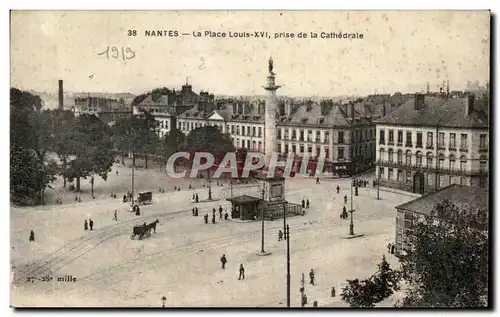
242,272
393,248
32,236
91,224
303,203
317,180
333,291
213,218
223,260
196,211
85,225
389,247
345,199
193,211
307,204
206,217
338,189
196,198
220,212
280,235
311,277
226,216
115,217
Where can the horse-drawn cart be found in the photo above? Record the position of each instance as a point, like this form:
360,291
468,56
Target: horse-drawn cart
144,230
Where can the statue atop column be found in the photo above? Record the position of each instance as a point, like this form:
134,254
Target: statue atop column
271,66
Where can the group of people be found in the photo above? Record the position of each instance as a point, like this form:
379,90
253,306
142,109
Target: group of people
205,217
305,204
391,248
344,215
223,261
360,182
88,224
195,198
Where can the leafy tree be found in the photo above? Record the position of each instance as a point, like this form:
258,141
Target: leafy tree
209,139
93,152
172,142
138,99
445,261
368,292
64,142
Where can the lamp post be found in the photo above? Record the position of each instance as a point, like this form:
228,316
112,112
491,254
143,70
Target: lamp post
133,168
378,185
163,300
288,266
351,225
262,216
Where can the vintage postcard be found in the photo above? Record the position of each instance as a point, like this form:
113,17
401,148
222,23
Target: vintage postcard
249,158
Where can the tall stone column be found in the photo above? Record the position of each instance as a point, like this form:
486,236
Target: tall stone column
271,115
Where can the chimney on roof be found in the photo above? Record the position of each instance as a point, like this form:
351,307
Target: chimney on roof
288,109
469,104
234,108
419,101
61,95
350,112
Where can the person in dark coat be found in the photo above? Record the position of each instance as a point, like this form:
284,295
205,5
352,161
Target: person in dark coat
338,189
317,180
311,277
223,260
393,247
280,235
213,218
226,216
206,217
193,211
124,198
242,272
307,203
91,224
220,212
345,199
115,217
85,225
32,236
196,211
196,198
303,203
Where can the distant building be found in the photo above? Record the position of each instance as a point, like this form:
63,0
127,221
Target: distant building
430,142
410,212
107,109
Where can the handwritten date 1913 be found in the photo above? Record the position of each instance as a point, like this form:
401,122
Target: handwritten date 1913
114,52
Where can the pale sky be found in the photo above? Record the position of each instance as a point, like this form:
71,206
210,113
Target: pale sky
400,51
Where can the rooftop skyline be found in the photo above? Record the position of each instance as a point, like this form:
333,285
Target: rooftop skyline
400,51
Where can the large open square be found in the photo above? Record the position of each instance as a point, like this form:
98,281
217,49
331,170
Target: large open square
181,260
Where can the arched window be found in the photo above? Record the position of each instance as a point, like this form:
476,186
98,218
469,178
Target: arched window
463,163
382,154
452,162
408,157
419,159
429,159
441,161
400,157
391,156
482,164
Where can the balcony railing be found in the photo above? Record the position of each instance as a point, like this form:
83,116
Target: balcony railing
433,169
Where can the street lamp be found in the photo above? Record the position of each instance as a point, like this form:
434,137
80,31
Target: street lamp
351,225
262,216
378,185
163,300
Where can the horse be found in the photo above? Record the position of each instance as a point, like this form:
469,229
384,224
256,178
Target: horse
140,231
153,225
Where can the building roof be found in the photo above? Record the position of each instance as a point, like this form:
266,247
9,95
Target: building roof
447,112
457,194
243,199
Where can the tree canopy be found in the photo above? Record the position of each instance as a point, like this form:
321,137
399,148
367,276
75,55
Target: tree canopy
209,139
445,262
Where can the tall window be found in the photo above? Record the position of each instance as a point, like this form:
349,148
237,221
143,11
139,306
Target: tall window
463,163
309,150
429,139
253,131
429,159
390,174
294,134
400,175
327,153
260,132
318,151
341,137
237,130
408,139
301,135
408,176
286,148
400,137
318,134
391,136
309,135
382,137
441,140
340,153
408,157
463,141
453,141
482,142
285,134
482,164
400,157
452,162
391,156
243,130
441,161
327,137
419,139
419,159
278,134
382,155
301,149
